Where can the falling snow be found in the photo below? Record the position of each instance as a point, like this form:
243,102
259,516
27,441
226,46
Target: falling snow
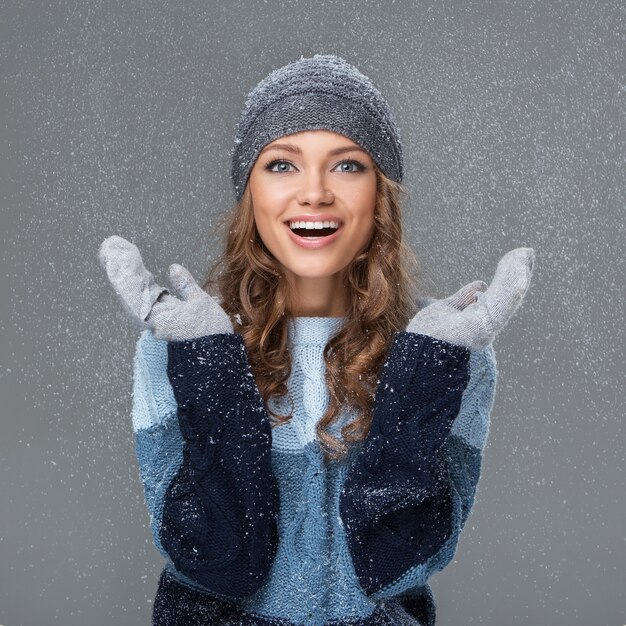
119,119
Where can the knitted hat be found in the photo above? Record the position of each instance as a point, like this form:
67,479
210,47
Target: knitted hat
321,92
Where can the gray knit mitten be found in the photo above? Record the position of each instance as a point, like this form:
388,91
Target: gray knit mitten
475,314
189,314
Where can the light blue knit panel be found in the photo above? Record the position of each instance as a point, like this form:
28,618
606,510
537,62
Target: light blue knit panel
159,455
153,397
312,580
307,337
472,424
158,441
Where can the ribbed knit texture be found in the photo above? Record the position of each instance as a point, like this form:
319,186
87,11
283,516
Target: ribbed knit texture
320,92
325,571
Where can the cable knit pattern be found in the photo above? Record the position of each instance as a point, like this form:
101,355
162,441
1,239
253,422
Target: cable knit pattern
318,575
219,512
396,502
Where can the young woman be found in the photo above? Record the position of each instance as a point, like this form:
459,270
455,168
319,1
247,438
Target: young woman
310,439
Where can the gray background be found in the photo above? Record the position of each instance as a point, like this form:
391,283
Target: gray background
118,118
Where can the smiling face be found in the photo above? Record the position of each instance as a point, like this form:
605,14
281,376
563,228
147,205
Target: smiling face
324,179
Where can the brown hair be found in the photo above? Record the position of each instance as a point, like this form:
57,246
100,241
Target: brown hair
381,284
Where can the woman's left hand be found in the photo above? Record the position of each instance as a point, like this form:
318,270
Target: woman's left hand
475,314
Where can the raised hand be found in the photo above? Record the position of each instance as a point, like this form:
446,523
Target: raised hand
188,314
475,314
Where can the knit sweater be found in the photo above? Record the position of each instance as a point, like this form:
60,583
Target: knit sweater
257,529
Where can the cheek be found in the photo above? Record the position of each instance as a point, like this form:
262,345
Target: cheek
261,221
366,197
260,209
370,231
266,225
368,205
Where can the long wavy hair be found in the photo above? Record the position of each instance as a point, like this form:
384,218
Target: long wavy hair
381,285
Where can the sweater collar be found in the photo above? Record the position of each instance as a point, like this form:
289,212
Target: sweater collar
313,330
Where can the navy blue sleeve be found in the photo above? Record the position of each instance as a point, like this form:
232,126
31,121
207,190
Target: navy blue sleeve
219,521
396,503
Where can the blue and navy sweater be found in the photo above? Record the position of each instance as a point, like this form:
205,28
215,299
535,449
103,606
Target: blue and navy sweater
257,529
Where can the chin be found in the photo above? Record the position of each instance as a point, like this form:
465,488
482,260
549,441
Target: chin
312,274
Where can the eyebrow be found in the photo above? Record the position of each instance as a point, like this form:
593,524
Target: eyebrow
289,147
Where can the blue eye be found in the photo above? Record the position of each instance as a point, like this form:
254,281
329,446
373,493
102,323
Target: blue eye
358,165
344,165
271,164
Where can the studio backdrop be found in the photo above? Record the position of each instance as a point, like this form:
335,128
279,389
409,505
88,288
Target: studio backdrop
118,118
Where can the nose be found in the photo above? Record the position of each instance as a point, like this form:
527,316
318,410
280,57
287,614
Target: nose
314,190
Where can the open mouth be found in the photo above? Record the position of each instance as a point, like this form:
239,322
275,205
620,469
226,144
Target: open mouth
313,232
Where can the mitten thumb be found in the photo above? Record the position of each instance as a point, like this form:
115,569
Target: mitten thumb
183,283
466,295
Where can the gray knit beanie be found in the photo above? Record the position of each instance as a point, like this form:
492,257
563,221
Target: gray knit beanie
323,92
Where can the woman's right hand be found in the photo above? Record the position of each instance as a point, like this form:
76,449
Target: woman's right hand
188,314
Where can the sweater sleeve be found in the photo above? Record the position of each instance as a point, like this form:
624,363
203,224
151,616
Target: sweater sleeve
158,441
463,447
204,449
412,485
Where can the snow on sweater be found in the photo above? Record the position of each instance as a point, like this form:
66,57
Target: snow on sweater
254,520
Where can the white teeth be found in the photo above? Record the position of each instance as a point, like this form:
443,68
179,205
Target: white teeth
318,225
